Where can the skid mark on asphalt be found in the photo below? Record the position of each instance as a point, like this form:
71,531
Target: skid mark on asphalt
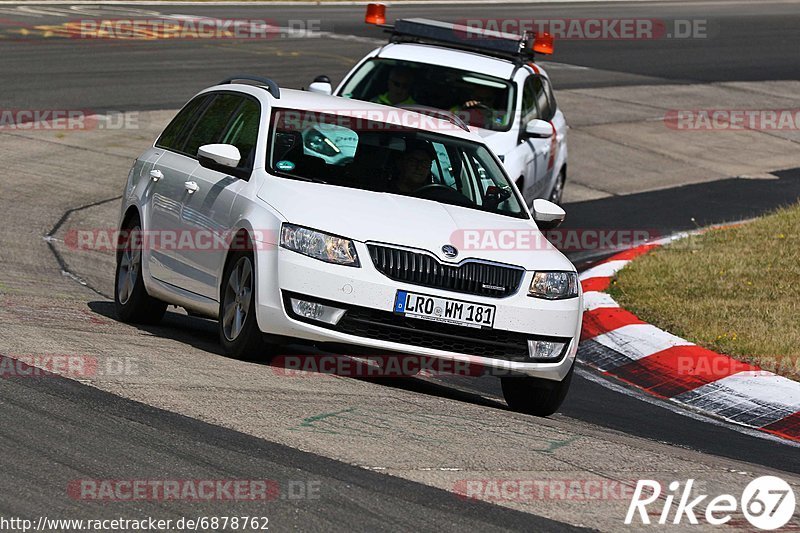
419,427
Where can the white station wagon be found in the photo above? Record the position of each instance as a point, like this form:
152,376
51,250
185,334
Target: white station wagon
340,224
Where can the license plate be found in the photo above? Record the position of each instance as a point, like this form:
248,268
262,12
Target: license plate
444,310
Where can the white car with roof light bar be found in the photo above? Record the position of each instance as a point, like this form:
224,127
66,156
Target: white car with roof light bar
487,78
252,210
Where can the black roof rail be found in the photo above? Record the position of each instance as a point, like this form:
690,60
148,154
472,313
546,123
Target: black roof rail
437,113
270,85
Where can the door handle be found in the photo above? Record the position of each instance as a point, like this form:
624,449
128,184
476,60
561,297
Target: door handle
191,186
156,175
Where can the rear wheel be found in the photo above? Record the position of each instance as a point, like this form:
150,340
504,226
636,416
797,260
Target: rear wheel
535,396
238,329
131,300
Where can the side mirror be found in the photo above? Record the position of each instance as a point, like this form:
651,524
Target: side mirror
539,129
547,215
225,155
321,85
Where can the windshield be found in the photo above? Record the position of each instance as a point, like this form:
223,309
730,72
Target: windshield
481,101
350,151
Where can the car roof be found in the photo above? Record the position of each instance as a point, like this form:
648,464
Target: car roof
441,55
308,101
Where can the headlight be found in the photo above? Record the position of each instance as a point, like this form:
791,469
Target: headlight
554,285
318,245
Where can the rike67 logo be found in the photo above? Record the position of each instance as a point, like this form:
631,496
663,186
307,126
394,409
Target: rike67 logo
768,503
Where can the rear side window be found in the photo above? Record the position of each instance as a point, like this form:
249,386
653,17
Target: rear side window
243,131
215,119
174,135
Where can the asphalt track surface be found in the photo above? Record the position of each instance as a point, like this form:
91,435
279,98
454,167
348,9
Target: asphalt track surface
753,42
98,427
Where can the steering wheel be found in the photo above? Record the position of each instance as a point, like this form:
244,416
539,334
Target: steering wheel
485,116
431,187
479,105
440,192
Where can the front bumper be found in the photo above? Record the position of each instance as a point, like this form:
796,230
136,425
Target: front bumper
370,323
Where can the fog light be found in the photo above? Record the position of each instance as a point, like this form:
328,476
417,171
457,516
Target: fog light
317,311
545,350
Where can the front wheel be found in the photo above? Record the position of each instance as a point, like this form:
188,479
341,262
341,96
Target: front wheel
535,396
238,329
558,188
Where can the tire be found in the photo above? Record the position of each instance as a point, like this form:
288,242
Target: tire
132,303
558,188
535,396
238,328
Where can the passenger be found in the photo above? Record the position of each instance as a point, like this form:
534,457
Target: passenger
399,88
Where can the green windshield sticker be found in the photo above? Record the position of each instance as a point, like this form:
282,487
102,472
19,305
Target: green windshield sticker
284,165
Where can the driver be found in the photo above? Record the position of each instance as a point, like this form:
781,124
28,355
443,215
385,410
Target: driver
479,109
414,169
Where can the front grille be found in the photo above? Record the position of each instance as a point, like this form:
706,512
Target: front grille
469,277
386,326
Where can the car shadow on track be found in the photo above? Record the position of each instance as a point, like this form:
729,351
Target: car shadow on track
198,332
201,333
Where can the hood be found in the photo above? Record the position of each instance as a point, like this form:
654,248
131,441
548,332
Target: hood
412,222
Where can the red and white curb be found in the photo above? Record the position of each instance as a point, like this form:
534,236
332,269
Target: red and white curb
617,343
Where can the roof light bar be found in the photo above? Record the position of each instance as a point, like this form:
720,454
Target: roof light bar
462,36
489,42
